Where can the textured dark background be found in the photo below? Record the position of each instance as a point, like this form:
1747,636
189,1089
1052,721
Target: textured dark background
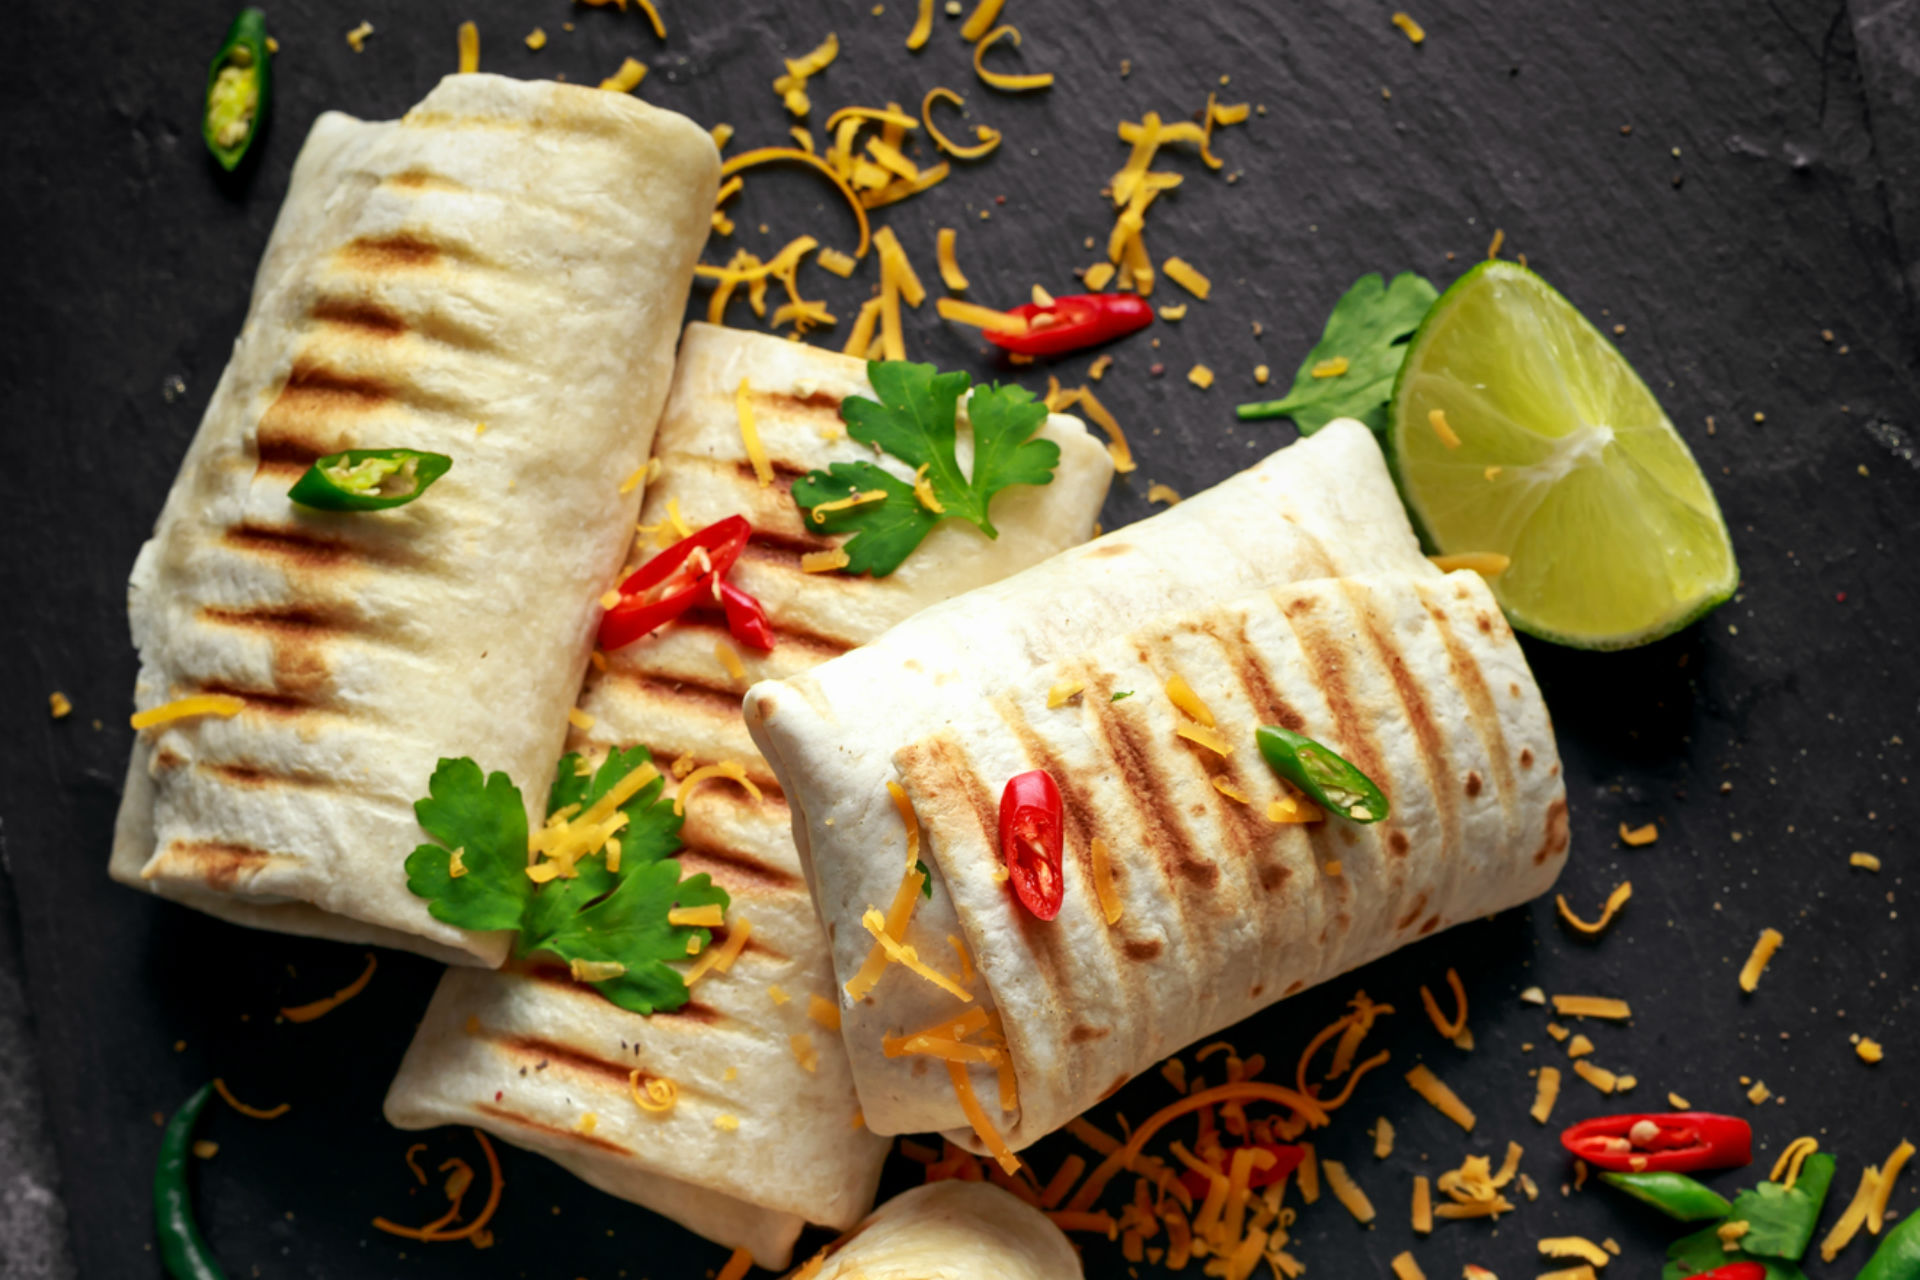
1769,189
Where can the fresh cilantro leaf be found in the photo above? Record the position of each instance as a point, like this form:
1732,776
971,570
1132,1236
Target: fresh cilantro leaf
651,834
1780,1221
885,532
1369,328
913,419
1702,1251
1124,693
629,926
926,878
486,820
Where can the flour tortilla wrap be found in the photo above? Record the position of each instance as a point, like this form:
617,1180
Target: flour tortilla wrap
951,1231
800,1153
1324,507
1418,682
498,277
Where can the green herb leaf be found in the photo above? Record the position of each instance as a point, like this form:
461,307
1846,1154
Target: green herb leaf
1702,1251
913,419
926,879
629,927
651,834
1369,328
1124,693
885,532
486,820
1780,1221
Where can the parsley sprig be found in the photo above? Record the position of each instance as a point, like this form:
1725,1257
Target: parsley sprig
1369,329
597,916
913,419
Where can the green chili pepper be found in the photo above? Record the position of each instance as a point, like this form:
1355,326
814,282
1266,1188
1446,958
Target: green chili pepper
1898,1257
1674,1194
368,479
1333,784
183,1250
239,86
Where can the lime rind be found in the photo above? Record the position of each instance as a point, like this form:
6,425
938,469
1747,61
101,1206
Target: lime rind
1566,464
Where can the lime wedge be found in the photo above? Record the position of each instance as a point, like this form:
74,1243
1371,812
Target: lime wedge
1518,429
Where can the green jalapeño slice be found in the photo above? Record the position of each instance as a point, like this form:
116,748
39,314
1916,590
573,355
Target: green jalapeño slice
1328,780
368,479
239,83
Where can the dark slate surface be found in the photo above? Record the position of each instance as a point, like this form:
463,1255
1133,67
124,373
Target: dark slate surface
1767,191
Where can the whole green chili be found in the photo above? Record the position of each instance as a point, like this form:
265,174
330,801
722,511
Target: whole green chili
239,86
183,1251
1898,1257
1674,1194
1332,783
368,479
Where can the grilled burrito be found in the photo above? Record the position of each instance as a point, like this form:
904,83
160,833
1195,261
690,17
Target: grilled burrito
949,1231
1324,508
497,277
757,1042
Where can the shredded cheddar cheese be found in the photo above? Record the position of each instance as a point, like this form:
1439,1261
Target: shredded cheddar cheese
357,38
1592,1007
729,769
1868,1050
1103,888
200,704
1117,447
1448,1028
1786,1170
1347,1191
1615,900
1064,692
730,660
1437,419
1330,368
1493,245
1163,493
469,48
825,561
774,155
981,20
632,71
1639,836
1422,1206
1597,1076
977,1117
1200,376
1763,949
1200,735
825,509
659,1096
252,1113
1294,810
1440,1097
950,273
741,1260
1488,564
1230,791
59,705
722,956
1889,1174
980,317
1405,1267
707,916
579,719
327,1004
908,957
989,137
1001,80
1416,33
1181,694
1574,1247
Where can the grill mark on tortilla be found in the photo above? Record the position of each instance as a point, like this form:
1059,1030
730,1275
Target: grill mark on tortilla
784,473
1083,1034
1143,949
1413,699
287,620
1107,550
216,863
1555,840
1485,717
555,976
511,1116
270,701
366,318
1326,667
1161,828
1413,912
811,404
755,945
239,774
311,550
1042,938
820,647
421,180
733,867
384,254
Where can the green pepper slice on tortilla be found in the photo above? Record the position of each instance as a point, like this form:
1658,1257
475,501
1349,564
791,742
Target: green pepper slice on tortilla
368,479
1328,780
239,84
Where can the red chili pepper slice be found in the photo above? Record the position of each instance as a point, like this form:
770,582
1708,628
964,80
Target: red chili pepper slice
1286,1158
1680,1142
1075,322
1031,835
672,582
1734,1271
746,618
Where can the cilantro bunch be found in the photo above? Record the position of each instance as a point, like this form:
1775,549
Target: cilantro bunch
914,420
597,916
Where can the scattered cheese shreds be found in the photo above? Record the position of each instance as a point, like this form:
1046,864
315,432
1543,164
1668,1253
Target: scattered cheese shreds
707,916
950,273
253,1113
742,1260
989,137
200,704
980,317
1163,493
1200,376
1889,1174
1183,274
1347,1191
1406,1268
922,26
1064,692
1382,1138
1181,694
632,71
1592,1007
1414,31
1574,1247
1637,837
729,769
1200,735
1615,900
1546,1093
1597,1076
1865,861
1422,1206
1868,1050
1763,948
736,670
805,1052
825,561
659,1096
1110,906
1441,1098
653,18
1853,1217
327,1004
841,264
469,48
1117,447
981,20
907,957
1488,564
357,38
1437,419
1330,368
1001,80
59,705
579,719
824,1011
977,1117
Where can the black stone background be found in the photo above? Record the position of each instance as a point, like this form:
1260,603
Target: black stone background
1769,189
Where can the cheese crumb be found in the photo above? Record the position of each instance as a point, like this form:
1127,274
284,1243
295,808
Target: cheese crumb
1261,373
1865,861
1200,376
59,705
1763,949
1869,1050
727,1122
536,39
1759,1093
1414,31
1437,419
1637,837
357,38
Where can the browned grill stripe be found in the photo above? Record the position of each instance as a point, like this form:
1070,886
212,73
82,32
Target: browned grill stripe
420,180
731,867
1472,683
1160,826
218,863
816,404
510,1116
1326,666
772,547
247,775
313,550
692,695
357,314
819,648
391,253
553,976
1434,755
318,387
271,701
784,472
292,621
1323,565
1269,706
1043,940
